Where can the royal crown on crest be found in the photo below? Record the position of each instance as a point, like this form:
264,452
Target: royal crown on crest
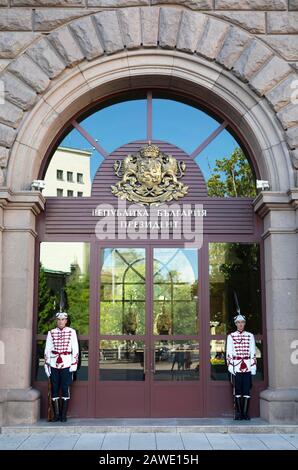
150,151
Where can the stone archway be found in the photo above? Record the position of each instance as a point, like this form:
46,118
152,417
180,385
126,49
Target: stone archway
109,52
51,61
87,83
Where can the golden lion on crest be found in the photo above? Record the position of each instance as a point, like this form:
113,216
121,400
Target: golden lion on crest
149,177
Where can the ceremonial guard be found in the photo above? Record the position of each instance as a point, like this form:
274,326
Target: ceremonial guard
61,360
242,364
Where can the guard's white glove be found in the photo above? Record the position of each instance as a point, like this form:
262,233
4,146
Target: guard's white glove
47,370
73,368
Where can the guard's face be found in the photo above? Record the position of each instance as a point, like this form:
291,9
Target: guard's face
240,325
61,322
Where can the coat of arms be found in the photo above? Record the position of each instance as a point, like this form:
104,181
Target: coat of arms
149,177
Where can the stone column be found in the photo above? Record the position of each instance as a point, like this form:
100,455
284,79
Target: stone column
19,403
279,403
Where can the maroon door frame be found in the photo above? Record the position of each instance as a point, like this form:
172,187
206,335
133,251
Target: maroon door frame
83,403
88,397
176,398
120,398
218,394
148,398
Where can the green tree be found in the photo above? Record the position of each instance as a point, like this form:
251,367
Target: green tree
235,267
180,307
77,294
232,177
46,304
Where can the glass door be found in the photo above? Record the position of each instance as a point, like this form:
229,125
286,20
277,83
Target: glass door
122,371
148,338
175,380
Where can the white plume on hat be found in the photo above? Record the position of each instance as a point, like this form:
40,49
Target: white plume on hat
239,318
61,315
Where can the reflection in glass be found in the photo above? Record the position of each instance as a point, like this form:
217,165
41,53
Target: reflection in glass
175,291
234,268
122,291
40,374
82,371
176,360
219,369
121,360
260,360
64,285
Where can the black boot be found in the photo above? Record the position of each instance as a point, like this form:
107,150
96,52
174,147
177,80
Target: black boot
238,414
245,408
56,408
64,410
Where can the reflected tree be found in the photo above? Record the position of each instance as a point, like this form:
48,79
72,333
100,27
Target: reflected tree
234,267
176,312
122,293
77,298
47,301
76,289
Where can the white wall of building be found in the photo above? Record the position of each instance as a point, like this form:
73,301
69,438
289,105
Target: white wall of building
68,160
59,256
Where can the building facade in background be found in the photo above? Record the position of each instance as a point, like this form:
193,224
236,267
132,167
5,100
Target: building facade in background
68,174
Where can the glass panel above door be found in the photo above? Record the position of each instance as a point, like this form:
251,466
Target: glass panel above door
122,291
175,278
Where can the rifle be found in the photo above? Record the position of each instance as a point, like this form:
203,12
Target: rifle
237,303
232,375
232,380
50,407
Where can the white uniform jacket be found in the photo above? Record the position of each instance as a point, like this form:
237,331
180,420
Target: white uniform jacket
62,349
241,352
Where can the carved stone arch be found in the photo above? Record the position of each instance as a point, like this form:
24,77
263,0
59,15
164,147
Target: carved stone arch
113,51
117,50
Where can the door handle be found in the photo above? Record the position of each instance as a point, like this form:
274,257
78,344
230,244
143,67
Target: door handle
152,365
145,360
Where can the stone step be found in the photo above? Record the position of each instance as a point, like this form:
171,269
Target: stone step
198,425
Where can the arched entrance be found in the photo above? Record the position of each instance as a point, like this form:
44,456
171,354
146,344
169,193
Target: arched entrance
176,70
154,345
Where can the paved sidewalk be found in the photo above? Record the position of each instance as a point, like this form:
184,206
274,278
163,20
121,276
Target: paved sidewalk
147,441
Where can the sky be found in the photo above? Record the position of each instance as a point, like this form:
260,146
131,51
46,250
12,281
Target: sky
174,122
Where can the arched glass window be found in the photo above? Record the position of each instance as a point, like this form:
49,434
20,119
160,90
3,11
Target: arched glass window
149,116
152,310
